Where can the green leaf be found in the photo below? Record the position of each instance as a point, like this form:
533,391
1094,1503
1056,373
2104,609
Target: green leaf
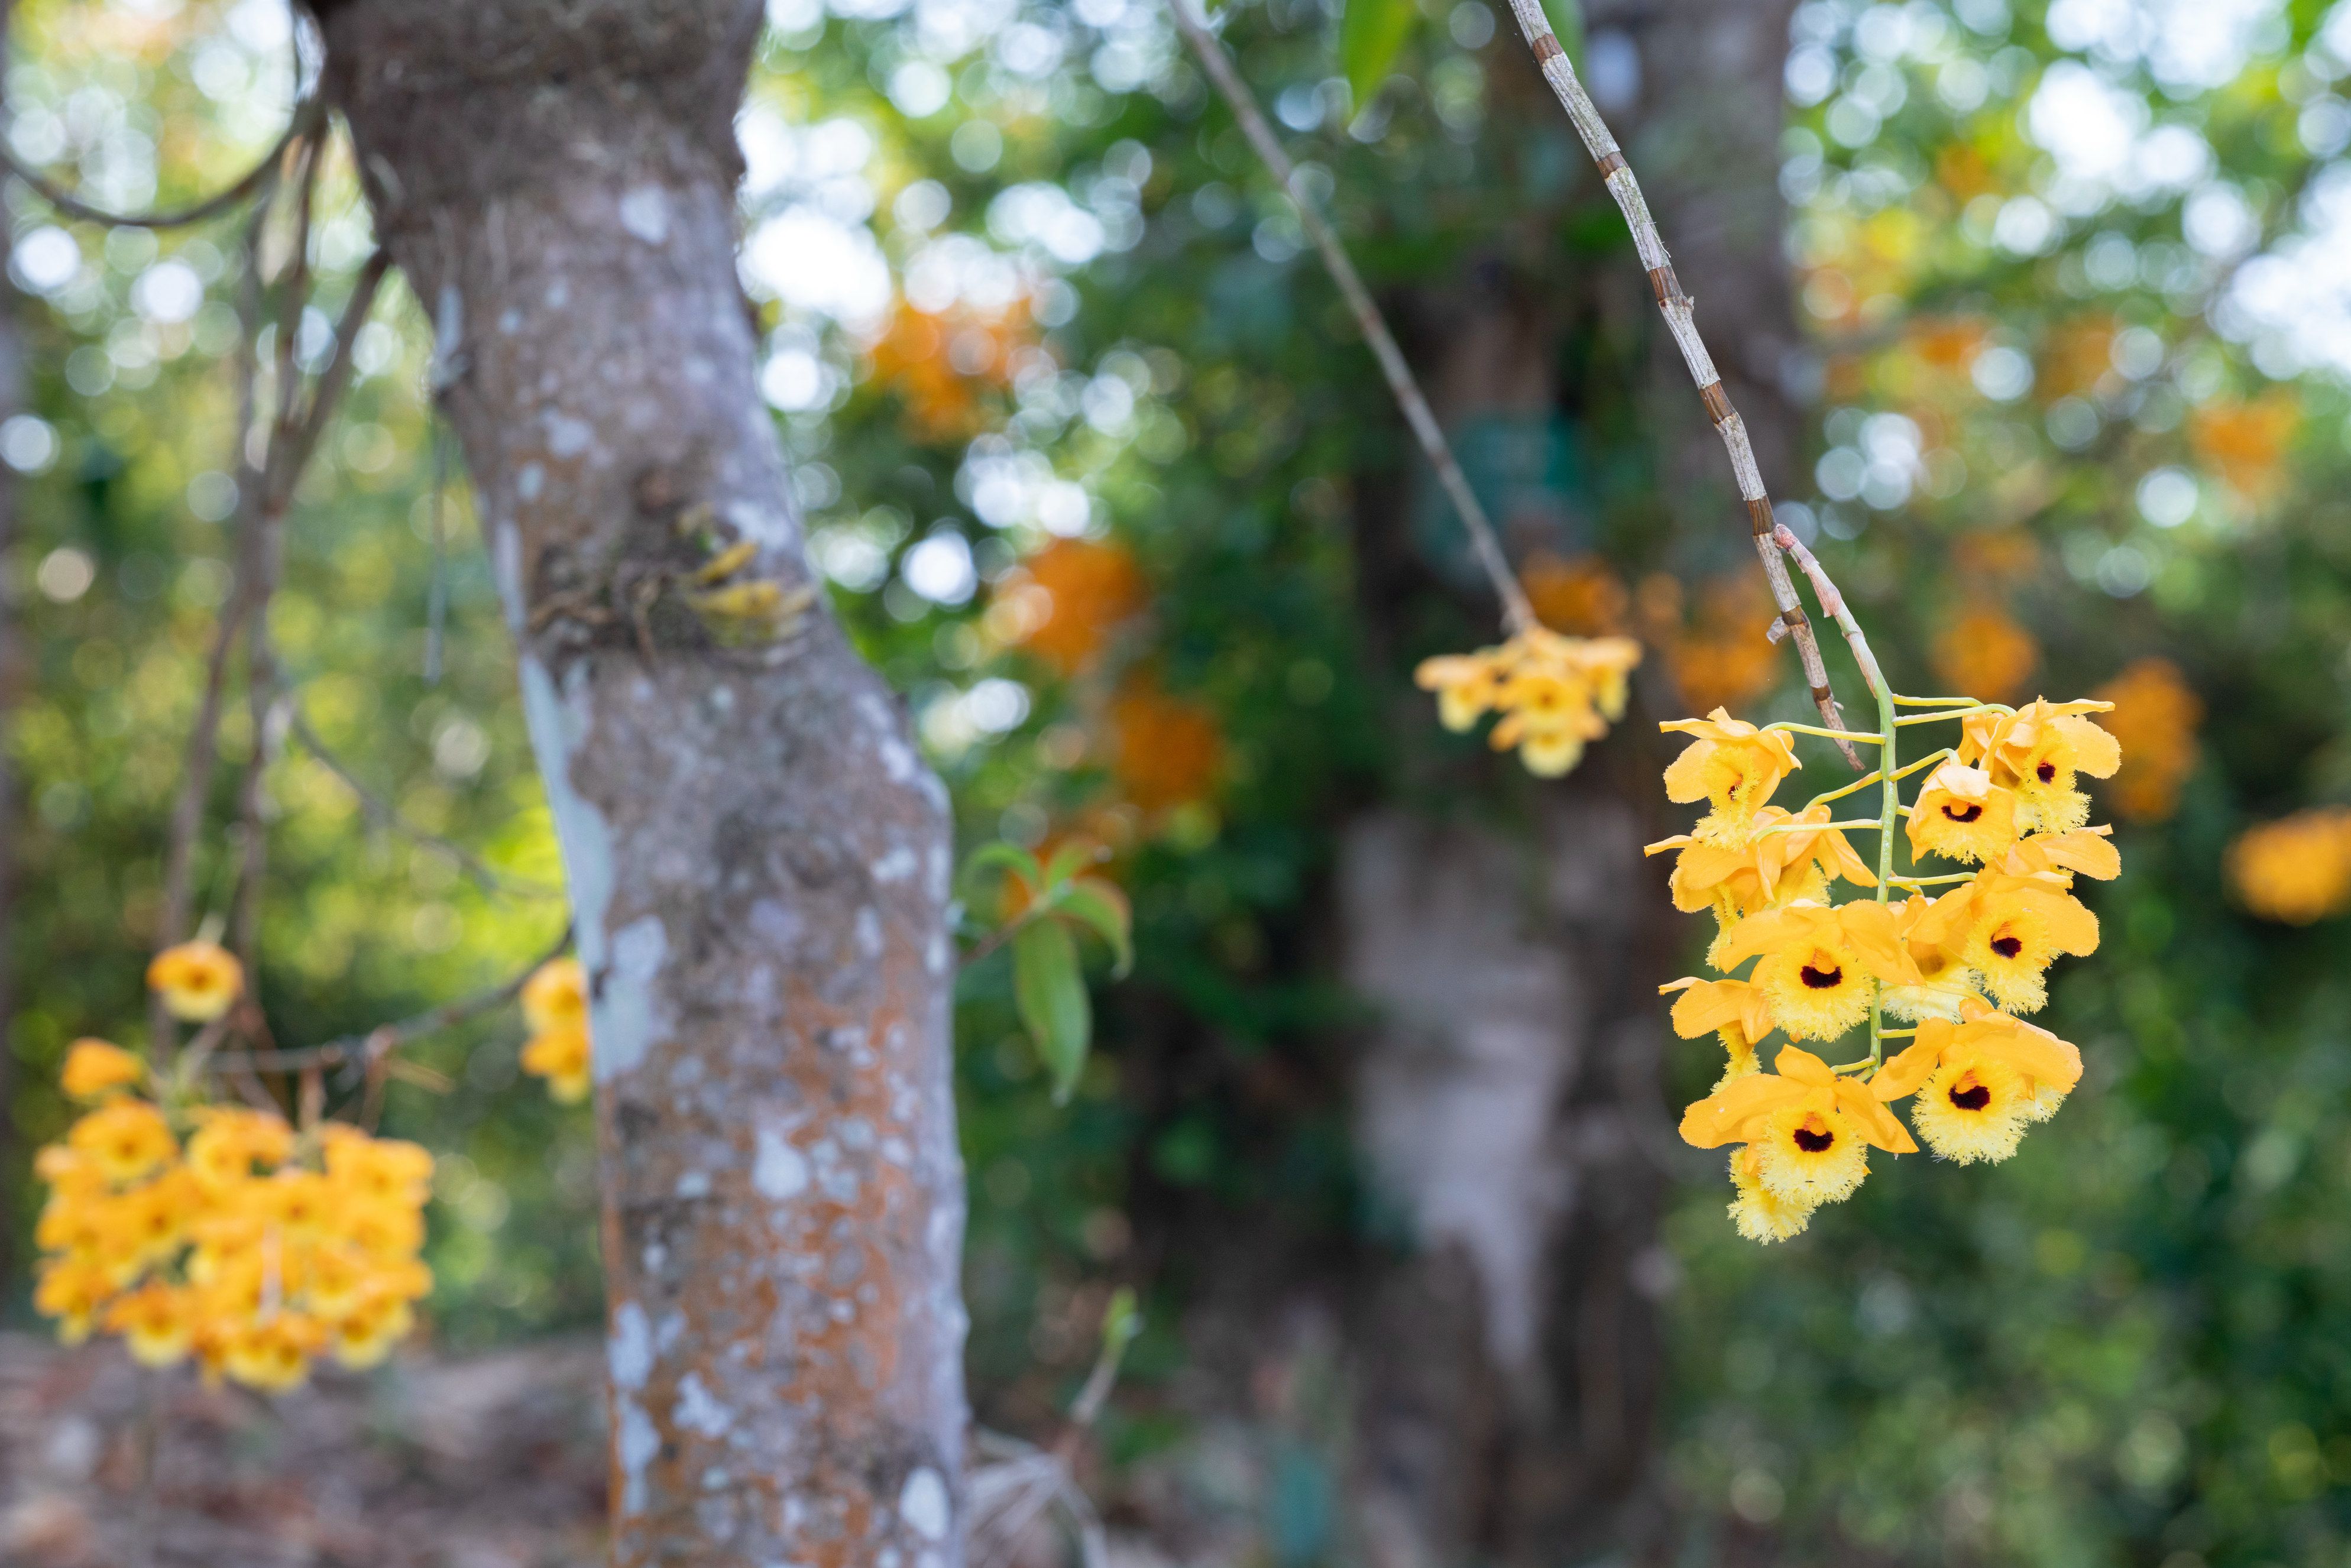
1069,860
1101,906
1050,995
1010,856
1371,34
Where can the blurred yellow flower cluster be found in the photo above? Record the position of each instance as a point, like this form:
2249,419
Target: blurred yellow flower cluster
249,1246
1065,603
1553,693
1984,650
2154,717
940,362
2297,869
1709,637
555,1006
2245,442
1163,750
2005,798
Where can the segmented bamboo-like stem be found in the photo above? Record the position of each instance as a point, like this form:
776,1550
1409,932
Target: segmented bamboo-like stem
1516,611
1681,321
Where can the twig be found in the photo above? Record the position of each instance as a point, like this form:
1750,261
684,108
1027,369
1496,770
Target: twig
201,750
436,602
327,390
1833,605
307,116
1516,611
385,1039
1681,321
384,814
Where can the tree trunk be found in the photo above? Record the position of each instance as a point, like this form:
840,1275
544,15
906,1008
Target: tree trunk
758,861
1508,1111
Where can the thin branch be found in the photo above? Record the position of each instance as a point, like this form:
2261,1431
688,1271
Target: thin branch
201,750
1681,321
1832,604
303,432
384,814
307,116
384,1039
1516,611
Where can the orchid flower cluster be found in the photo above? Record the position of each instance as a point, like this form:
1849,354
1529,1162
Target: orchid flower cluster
1957,966
1556,694
217,1232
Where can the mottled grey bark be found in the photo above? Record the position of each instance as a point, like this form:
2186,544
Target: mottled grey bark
759,860
1508,1106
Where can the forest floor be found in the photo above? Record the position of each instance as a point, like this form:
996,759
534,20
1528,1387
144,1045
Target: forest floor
492,1461
431,1461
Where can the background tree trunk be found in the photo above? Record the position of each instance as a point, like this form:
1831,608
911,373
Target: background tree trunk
1509,1108
758,861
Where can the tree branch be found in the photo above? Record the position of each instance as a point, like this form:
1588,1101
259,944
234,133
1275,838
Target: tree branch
1680,316
309,116
384,1039
1516,611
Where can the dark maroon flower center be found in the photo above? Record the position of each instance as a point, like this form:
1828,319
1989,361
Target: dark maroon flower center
2046,771
1821,979
2008,947
1974,1097
1813,1143
1963,814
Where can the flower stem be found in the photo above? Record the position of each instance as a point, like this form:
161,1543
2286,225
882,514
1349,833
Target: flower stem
1889,802
1863,783
1954,713
1794,728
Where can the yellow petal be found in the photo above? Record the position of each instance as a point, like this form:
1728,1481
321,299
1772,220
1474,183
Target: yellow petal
1722,1116
1878,1124
1803,1066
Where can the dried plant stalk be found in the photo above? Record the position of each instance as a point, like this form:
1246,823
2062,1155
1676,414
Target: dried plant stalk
1516,612
1681,321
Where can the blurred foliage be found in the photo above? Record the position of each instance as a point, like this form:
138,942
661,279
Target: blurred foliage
1079,432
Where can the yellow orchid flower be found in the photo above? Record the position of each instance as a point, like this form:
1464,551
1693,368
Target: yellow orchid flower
1808,1125
1467,685
93,1068
1961,815
556,996
2038,751
197,980
1760,1213
1769,868
1816,961
1980,1081
2089,850
1731,765
1734,1011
